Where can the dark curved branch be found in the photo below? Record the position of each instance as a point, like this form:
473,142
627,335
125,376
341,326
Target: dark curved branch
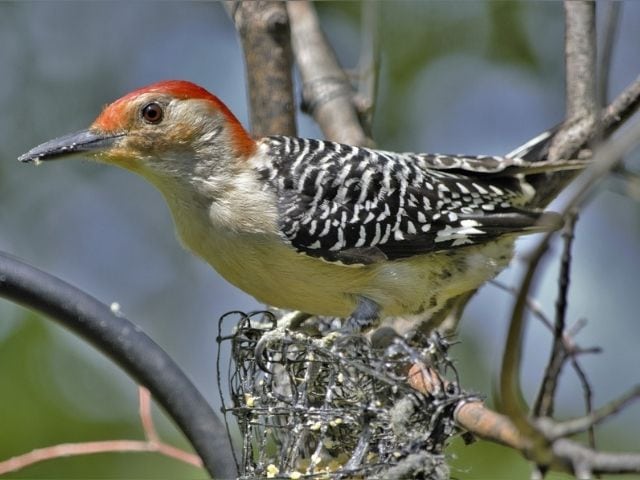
544,404
129,348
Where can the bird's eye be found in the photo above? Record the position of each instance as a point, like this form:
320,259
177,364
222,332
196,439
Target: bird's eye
152,113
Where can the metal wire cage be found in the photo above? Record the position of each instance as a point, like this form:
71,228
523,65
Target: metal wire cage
336,406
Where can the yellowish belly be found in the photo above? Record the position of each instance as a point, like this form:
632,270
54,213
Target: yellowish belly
277,275
264,266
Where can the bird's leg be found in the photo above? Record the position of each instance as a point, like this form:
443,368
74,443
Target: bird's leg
364,317
289,321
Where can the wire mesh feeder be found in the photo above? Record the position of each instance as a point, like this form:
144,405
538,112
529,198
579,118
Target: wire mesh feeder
337,406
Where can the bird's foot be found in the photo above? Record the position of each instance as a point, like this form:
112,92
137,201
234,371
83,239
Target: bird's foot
363,318
288,321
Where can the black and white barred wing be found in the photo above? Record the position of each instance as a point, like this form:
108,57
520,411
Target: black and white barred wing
356,205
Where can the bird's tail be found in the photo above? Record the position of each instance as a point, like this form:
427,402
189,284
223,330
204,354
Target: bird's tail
551,182
612,118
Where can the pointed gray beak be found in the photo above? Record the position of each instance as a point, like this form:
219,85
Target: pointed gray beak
80,142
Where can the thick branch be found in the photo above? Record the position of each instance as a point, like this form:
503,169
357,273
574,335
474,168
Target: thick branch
264,31
326,90
581,67
580,57
563,455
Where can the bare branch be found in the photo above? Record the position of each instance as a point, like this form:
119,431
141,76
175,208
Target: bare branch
624,105
581,114
588,395
561,454
543,406
606,52
511,399
580,54
152,444
585,461
264,31
146,419
613,116
553,430
580,126
368,64
580,57
87,448
570,349
604,161
326,90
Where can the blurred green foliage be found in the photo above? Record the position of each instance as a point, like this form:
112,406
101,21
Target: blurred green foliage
35,413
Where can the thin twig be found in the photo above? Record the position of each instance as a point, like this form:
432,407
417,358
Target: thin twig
588,396
511,399
326,90
146,418
570,347
571,350
543,407
152,444
581,113
622,107
553,430
87,448
532,305
580,30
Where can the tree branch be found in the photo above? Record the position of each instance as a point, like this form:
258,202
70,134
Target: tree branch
562,454
624,105
88,448
613,10
368,64
544,404
581,67
264,32
153,444
326,91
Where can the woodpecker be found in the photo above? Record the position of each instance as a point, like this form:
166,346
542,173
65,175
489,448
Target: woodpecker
316,226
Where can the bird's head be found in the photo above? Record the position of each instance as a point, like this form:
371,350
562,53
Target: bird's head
164,128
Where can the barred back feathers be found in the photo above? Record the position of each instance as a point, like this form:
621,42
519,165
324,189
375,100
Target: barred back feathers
359,206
